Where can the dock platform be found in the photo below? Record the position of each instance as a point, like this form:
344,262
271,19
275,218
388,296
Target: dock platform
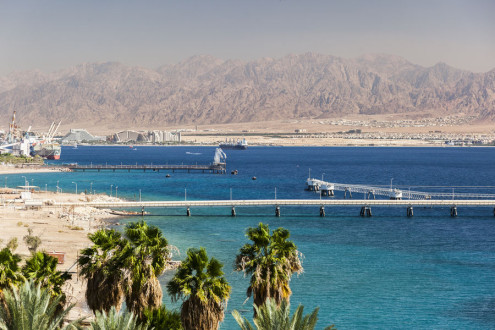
210,168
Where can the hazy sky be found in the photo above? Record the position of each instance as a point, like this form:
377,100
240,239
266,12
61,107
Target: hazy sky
50,35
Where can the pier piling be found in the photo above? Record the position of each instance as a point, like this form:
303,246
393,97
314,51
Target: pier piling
410,211
453,211
188,212
322,211
233,211
277,211
365,211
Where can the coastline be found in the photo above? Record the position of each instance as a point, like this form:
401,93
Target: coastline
19,169
61,230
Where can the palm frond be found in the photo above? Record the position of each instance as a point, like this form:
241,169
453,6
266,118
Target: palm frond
31,307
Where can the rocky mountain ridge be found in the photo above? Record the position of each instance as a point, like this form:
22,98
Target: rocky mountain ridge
207,90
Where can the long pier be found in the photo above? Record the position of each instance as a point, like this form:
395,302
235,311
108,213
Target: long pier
328,188
210,168
364,204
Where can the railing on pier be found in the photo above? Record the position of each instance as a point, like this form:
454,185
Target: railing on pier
213,168
364,204
327,188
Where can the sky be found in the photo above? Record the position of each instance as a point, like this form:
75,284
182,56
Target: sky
54,34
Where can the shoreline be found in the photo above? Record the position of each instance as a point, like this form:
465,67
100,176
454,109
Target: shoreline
61,230
11,169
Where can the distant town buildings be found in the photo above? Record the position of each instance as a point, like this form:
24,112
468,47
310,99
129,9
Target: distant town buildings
145,137
77,135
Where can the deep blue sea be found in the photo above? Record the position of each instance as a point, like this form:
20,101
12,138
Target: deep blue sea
388,271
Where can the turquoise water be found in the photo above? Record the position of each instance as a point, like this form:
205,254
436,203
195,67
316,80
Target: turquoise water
387,271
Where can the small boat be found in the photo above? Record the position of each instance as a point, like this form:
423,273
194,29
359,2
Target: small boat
167,176
253,178
234,172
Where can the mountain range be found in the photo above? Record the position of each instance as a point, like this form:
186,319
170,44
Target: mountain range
208,90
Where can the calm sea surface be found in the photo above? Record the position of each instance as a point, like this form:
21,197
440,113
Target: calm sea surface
387,271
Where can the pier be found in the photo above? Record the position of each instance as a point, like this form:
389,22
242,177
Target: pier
328,189
219,168
363,204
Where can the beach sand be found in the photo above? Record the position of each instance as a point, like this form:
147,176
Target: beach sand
22,169
61,230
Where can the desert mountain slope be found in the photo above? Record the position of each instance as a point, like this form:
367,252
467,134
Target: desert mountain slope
206,90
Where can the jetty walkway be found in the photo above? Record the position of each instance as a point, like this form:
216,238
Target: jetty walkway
328,189
210,168
364,204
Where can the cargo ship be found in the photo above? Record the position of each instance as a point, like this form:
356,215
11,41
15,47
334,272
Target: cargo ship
232,144
45,147
47,150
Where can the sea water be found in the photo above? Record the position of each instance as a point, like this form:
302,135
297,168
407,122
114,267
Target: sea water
385,271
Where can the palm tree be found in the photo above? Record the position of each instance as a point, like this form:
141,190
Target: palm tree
146,258
42,268
10,275
200,281
161,318
100,266
270,260
270,316
31,307
115,321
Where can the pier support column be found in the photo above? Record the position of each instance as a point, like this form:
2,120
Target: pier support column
233,211
322,211
410,211
345,193
365,211
188,212
331,193
277,211
453,211
324,192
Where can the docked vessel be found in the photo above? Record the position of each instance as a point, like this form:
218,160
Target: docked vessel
47,150
233,144
45,147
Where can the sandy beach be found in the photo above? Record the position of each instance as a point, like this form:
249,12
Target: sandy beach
60,229
22,169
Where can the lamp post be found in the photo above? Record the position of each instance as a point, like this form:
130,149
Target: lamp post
116,187
139,194
25,180
76,186
5,182
57,186
111,186
90,187
322,174
391,183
